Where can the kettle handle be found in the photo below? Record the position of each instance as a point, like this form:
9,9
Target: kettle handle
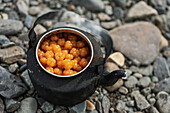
108,79
45,17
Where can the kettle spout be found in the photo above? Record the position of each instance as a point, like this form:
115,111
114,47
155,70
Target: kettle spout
111,78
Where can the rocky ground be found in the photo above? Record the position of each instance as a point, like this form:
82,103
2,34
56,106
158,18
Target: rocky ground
140,30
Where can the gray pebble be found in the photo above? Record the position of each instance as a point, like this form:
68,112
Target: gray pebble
144,81
131,82
13,67
11,105
47,107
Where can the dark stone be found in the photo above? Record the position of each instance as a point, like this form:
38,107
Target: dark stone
28,21
5,42
121,3
11,105
10,85
99,106
163,85
13,15
79,108
118,12
159,5
1,106
39,99
93,5
161,69
10,27
105,104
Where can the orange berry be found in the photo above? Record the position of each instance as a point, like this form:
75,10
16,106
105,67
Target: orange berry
59,56
74,43
78,59
53,43
83,52
83,62
40,53
50,69
49,54
74,52
57,71
80,44
51,62
65,52
61,42
68,45
54,37
79,68
72,37
74,72
43,60
60,64
56,48
67,64
60,35
68,72
69,56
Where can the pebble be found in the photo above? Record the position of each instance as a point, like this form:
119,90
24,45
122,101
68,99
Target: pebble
121,3
93,5
34,3
11,105
105,104
120,106
146,91
131,82
89,105
161,69
110,66
118,12
108,10
28,105
28,21
34,10
117,58
153,110
99,106
94,111
26,79
155,79
163,102
10,27
130,103
163,85
166,53
39,29
138,75
11,85
13,15
139,41
80,108
152,101
141,102
47,107
13,67
22,61
164,43
109,25
141,10
144,81
1,106
123,90
23,68
22,7
104,17
5,42
114,87
159,5
12,54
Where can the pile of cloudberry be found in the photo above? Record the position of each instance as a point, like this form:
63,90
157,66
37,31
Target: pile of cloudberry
64,54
